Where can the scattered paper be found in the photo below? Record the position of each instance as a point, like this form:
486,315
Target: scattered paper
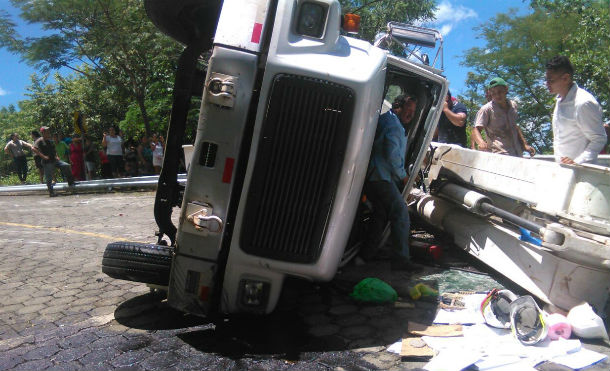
450,360
471,314
395,348
580,359
434,330
416,347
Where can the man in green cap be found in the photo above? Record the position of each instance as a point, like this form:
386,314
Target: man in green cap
499,120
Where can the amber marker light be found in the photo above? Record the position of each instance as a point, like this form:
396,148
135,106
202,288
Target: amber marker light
351,23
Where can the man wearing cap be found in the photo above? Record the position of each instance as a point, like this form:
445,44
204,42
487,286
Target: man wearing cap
45,148
452,124
578,131
499,120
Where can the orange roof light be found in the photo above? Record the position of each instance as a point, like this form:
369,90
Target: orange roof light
351,23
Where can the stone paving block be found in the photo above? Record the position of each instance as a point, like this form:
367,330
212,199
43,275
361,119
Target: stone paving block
99,356
82,337
39,364
10,307
324,330
67,366
36,328
343,309
66,293
108,309
42,352
357,331
317,319
161,360
8,362
71,354
129,358
351,319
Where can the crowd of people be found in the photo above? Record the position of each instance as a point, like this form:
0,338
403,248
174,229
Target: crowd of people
79,161
578,132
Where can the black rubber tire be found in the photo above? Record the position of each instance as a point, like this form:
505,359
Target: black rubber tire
138,262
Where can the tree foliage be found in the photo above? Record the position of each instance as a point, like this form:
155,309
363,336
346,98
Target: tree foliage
375,14
517,48
110,41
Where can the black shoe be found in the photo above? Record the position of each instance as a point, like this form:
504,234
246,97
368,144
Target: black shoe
52,194
405,265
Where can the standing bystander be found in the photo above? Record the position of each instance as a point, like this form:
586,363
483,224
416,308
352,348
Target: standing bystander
37,159
499,120
14,148
114,149
578,132
45,148
61,148
91,158
77,158
452,124
157,145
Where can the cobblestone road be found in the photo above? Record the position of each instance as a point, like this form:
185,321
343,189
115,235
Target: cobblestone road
59,311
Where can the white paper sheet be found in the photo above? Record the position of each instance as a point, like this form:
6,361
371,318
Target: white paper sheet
471,314
580,359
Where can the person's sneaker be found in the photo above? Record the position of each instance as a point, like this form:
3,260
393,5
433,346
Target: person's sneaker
405,265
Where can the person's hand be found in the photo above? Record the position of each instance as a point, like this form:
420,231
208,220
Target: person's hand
483,146
445,106
567,160
405,180
531,150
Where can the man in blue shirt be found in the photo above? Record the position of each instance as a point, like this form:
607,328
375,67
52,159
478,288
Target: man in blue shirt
452,124
386,177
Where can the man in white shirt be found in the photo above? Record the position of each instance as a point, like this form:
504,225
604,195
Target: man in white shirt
578,132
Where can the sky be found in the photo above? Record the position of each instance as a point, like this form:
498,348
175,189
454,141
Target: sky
455,19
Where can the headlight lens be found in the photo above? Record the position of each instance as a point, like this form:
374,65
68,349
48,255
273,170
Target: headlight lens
311,19
254,294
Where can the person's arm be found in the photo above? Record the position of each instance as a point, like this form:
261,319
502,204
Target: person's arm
26,145
528,148
479,124
456,118
104,143
478,138
39,153
393,152
7,150
589,118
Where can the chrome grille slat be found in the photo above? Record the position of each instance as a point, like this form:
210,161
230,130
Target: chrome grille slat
298,164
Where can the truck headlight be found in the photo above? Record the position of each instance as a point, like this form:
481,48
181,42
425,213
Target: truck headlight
311,19
253,294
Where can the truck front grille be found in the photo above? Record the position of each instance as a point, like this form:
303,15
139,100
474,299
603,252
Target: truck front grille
298,163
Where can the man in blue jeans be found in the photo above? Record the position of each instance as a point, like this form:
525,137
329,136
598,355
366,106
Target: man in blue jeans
45,148
386,177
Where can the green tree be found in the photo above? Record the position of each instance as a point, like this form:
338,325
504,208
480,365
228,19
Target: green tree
111,41
375,14
517,49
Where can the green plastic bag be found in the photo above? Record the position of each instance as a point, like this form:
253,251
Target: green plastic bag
374,290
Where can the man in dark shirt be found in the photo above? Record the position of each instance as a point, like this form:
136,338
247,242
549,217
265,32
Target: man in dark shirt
452,124
45,148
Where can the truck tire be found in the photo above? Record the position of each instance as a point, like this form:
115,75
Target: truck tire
138,262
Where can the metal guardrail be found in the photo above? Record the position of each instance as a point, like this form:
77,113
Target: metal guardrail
99,185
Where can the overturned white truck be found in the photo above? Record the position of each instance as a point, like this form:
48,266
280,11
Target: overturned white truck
289,109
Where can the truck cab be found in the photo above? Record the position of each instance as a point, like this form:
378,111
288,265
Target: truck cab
290,103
